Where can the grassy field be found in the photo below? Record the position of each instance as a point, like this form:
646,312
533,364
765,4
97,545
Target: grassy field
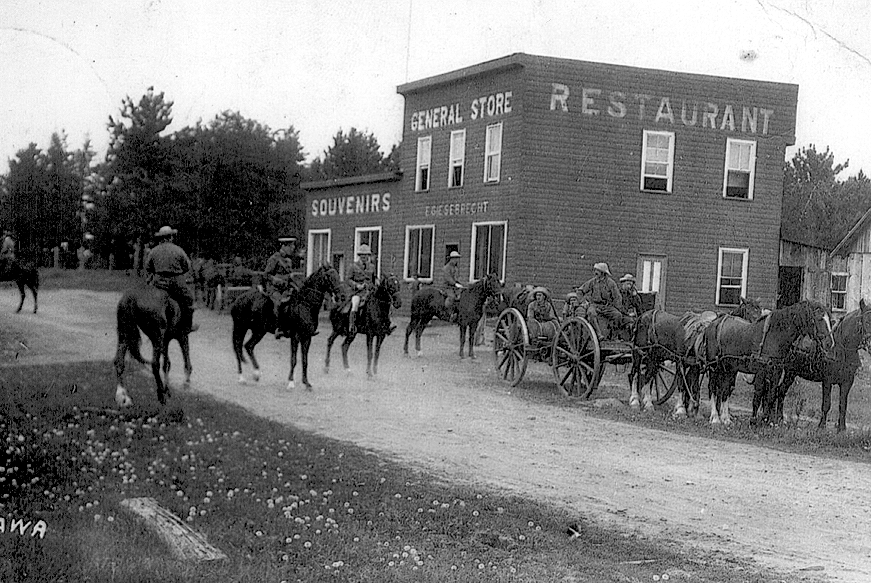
284,505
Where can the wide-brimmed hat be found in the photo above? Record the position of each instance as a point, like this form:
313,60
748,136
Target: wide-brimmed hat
165,231
286,239
627,277
454,254
603,267
541,289
364,250
571,295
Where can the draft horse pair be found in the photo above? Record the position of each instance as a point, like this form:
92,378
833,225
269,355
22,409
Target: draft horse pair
731,344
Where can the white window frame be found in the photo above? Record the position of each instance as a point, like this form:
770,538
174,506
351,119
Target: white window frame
357,231
474,247
492,151
745,253
669,173
730,142
424,160
408,229
457,158
309,260
840,293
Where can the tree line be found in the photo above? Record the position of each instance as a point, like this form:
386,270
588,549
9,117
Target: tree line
230,185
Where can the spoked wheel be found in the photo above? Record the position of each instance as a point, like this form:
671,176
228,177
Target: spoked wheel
577,359
663,382
510,339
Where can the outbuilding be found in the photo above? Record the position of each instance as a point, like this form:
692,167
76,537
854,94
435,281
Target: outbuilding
537,167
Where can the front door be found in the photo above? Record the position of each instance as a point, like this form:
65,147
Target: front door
651,276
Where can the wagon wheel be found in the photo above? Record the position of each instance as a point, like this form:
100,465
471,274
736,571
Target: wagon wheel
510,339
577,359
663,382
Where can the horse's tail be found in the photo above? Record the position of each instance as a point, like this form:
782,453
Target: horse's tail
128,330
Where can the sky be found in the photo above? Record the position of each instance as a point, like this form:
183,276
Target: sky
325,65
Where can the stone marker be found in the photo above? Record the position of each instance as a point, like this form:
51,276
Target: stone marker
184,542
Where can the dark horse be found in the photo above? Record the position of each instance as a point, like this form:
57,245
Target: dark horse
155,313
429,303
851,333
24,275
373,320
660,337
297,315
734,344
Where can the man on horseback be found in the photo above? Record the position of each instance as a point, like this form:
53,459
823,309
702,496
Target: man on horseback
167,266
362,279
7,250
278,271
451,286
604,296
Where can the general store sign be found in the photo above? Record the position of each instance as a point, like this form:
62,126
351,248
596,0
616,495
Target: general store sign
493,105
351,205
662,109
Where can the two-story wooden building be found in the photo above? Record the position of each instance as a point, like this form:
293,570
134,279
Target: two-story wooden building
538,167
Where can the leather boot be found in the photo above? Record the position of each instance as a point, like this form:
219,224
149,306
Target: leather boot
189,321
352,329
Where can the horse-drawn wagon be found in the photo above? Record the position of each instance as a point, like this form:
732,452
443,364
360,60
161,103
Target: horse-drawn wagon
575,354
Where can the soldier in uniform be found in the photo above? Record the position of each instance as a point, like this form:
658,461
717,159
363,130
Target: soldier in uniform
604,296
278,270
451,285
167,266
7,251
362,280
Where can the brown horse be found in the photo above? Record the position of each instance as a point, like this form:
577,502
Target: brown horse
298,315
158,315
429,303
850,334
373,321
24,275
734,344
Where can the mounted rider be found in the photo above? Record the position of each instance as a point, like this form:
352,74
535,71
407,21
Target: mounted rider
278,275
7,250
361,277
451,286
602,293
167,266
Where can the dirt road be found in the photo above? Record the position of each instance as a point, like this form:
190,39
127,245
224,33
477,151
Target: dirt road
789,512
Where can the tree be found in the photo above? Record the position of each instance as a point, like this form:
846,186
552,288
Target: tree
352,154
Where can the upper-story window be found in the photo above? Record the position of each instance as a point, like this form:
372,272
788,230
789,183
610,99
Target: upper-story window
657,161
424,154
493,153
740,169
457,158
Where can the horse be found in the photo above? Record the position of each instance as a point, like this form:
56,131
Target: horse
24,275
255,311
373,320
158,315
733,344
850,334
659,337
298,315
429,303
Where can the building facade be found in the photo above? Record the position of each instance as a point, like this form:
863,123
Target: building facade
536,168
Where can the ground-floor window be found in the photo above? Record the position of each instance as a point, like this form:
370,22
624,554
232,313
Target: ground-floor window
419,251
369,236
318,249
839,292
488,249
731,276
651,276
